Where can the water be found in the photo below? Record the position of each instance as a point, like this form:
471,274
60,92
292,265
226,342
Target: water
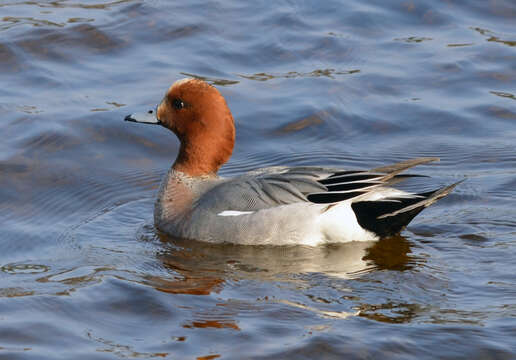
83,273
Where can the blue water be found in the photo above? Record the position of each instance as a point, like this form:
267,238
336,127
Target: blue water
83,273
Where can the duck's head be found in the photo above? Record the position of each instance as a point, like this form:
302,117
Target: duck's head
199,116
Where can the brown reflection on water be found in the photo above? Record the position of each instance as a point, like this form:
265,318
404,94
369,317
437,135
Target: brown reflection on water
300,124
201,268
394,313
11,20
11,292
188,285
24,268
414,39
204,269
392,253
491,37
208,357
214,324
329,73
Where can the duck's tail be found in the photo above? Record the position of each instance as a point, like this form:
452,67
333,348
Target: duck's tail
389,216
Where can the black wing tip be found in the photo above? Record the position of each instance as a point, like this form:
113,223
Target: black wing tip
332,197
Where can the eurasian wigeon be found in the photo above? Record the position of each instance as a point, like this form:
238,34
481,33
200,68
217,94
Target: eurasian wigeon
275,205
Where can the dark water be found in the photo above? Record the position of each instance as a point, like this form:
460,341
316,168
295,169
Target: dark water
356,84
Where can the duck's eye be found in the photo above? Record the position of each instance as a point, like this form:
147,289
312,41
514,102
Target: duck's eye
178,104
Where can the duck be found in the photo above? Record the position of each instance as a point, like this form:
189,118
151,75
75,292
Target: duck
280,205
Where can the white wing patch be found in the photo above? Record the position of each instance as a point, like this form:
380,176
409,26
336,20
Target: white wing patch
234,213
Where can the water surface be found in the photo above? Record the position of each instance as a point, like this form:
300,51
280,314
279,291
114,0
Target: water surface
83,273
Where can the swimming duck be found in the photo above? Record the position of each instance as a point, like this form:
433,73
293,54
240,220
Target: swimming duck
279,205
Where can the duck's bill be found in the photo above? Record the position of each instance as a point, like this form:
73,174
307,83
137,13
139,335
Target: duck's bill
148,117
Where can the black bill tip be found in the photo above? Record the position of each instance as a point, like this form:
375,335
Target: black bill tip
129,118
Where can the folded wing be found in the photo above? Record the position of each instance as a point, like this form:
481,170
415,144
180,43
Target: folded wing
368,191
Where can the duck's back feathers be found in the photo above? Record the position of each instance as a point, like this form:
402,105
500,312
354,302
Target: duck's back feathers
274,186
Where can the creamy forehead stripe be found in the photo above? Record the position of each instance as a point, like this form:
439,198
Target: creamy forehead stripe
179,82
234,213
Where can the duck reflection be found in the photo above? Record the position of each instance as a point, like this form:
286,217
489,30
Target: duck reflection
200,268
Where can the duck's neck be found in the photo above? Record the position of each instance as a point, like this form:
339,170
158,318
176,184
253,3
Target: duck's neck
203,155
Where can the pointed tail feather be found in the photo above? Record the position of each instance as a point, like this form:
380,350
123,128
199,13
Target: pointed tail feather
394,169
430,198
